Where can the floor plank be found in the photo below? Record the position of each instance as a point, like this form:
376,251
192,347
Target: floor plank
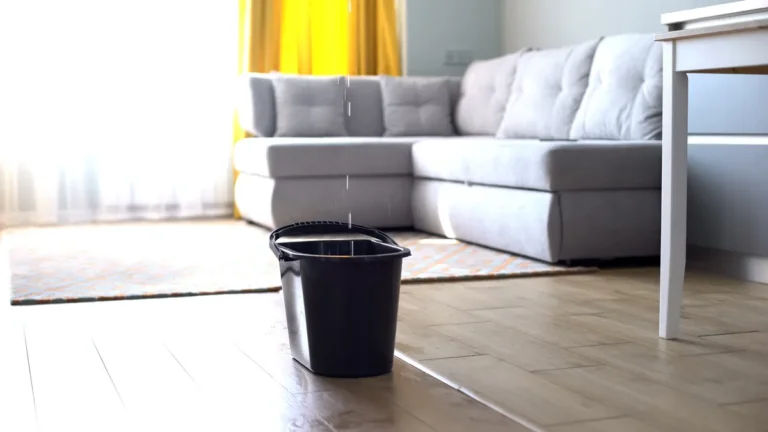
546,327
749,314
423,343
691,324
279,364
519,392
516,348
469,297
419,310
73,390
649,401
17,412
622,424
647,335
442,407
345,411
722,378
157,391
754,342
757,410
237,389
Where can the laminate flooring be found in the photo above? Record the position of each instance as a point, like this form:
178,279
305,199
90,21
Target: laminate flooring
564,354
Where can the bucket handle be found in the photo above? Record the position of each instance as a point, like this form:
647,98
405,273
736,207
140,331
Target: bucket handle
323,227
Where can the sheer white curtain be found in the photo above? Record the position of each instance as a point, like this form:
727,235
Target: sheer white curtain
114,110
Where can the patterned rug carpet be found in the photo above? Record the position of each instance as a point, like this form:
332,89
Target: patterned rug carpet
164,259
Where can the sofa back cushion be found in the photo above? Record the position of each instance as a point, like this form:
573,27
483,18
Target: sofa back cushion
362,107
417,106
547,92
623,98
485,89
364,112
309,106
256,104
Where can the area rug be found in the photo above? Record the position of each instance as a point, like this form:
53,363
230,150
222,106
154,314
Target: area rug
167,259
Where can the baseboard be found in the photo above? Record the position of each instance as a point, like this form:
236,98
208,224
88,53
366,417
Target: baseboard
742,266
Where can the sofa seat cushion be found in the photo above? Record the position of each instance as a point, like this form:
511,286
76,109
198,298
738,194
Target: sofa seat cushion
289,157
541,165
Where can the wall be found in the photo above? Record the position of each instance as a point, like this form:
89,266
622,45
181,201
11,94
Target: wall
462,29
553,23
728,181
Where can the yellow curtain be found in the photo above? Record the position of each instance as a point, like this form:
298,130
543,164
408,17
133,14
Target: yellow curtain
374,47
317,37
329,37
259,45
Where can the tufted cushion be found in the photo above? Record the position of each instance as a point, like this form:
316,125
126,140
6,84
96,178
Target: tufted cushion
623,99
309,106
365,115
485,89
256,104
547,92
416,106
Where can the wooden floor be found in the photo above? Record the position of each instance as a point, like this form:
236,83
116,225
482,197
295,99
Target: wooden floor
581,353
564,354
218,363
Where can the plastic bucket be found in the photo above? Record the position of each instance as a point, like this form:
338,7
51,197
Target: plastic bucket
341,297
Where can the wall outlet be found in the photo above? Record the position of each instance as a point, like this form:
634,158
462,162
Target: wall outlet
458,58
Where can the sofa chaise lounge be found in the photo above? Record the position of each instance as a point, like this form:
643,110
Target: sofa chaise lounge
552,154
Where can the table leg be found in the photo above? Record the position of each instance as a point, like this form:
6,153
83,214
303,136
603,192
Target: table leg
674,190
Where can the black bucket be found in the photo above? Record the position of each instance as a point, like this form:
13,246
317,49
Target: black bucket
341,297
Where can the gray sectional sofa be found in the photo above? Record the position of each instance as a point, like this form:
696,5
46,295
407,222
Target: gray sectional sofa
553,154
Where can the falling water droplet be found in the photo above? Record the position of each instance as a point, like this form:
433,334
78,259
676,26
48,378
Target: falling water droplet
347,182
347,80
350,220
349,109
352,247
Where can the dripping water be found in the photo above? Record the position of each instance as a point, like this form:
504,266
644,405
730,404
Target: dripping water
351,242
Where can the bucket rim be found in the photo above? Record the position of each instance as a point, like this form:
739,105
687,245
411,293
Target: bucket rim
333,227
288,254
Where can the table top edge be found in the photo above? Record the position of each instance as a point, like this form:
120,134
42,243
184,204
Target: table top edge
743,7
720,29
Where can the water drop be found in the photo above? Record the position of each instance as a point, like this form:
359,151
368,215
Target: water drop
350,220
352,247
347,182
349,109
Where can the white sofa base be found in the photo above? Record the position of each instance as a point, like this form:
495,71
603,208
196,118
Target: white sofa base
376,201
543,225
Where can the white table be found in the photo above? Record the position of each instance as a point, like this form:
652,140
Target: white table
728,38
